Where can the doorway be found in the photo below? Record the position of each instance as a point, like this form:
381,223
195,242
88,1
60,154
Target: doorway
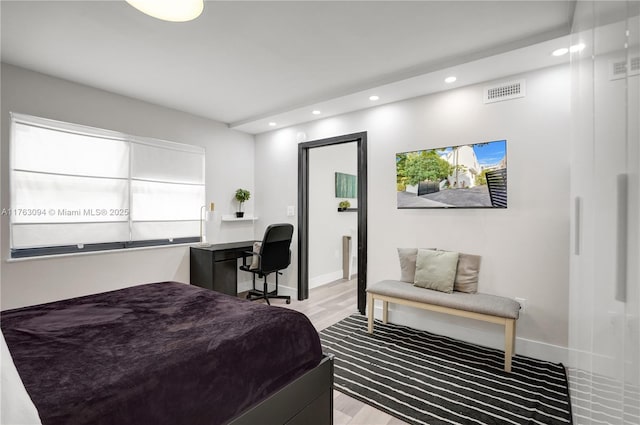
303,207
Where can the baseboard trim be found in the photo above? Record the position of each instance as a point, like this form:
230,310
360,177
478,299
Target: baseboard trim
474,331
595,363
316,281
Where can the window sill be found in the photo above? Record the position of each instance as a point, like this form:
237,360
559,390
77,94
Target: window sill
109,251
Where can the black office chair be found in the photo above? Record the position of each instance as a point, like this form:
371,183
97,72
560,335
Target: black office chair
274,255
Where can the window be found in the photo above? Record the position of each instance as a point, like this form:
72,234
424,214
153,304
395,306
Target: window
77,188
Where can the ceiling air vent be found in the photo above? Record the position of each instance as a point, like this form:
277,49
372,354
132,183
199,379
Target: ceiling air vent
504,91
618,67
634,66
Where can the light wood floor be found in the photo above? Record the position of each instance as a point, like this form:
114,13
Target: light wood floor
328,304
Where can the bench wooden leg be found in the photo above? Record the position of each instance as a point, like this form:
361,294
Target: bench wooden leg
385,312
509,342
371,306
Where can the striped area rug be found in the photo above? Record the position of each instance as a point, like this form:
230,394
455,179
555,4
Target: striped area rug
423,378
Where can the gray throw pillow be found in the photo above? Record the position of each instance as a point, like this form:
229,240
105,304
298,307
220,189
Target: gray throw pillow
407,258
436,269
467,274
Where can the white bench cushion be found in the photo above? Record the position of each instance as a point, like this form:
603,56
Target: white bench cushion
479,303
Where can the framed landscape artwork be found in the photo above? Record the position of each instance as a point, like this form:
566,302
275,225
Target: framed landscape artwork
346,185
464,176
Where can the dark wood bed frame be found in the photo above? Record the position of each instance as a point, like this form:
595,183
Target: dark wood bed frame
306,401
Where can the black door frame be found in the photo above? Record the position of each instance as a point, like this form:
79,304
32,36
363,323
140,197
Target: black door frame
303,212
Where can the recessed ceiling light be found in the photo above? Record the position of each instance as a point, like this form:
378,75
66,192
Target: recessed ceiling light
170,10
272,124
374,97
450,80
315,112
560,52
577,47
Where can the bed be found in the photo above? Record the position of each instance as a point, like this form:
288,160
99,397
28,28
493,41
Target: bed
169,353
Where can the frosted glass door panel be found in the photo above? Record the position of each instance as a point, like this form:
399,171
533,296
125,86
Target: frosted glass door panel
582,201
632,314
604,335
610,128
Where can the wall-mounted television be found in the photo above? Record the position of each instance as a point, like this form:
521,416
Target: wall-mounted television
464,176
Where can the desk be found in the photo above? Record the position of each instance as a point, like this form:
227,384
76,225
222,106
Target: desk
216,266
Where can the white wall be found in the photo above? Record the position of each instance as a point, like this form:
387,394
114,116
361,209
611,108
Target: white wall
229,165
327,226
524,248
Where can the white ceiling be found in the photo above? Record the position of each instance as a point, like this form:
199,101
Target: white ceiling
248,63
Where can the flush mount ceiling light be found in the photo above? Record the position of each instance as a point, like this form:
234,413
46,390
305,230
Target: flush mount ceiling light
450,80
316,112
170,10
577,48
374,97
272,124
563,51
560,52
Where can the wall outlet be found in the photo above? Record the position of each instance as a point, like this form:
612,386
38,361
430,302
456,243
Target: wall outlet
523,305
291,211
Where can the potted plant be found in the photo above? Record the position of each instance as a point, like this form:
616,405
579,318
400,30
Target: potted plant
242,195
343,205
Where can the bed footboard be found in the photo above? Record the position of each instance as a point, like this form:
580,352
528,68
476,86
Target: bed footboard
308,400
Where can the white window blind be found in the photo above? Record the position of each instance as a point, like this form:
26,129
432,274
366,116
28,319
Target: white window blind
167,190
74,187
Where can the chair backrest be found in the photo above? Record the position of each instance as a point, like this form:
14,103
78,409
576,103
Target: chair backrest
275,250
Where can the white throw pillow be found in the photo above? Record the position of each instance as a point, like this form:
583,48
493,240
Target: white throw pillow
255,260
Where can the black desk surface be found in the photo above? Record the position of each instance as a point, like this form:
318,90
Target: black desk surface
226,246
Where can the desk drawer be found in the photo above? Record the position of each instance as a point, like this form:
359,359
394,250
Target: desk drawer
229,254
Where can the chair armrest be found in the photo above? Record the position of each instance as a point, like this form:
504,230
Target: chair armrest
251,254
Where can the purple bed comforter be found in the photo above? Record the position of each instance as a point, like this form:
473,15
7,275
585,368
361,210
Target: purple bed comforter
161,353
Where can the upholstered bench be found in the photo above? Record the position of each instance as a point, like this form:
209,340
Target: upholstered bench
489,308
